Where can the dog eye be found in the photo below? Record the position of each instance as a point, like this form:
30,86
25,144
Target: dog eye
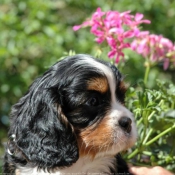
94,101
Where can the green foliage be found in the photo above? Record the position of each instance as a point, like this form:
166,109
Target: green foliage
34,35
155,114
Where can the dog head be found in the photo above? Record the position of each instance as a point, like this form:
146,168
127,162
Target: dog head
74,109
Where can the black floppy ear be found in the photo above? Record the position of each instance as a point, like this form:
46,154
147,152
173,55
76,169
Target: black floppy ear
42,133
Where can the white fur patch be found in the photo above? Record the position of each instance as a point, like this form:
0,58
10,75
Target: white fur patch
84,166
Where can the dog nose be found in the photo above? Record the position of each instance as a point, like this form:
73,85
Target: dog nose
125,124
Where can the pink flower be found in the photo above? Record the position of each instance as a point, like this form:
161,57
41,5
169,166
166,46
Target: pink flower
138,18
121,30
115,29
156,48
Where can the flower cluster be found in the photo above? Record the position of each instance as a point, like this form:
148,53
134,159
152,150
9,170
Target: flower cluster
155,48
114,28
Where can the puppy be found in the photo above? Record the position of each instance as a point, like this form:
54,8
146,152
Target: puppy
71,120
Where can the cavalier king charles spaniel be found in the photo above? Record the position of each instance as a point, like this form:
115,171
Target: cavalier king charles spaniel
72,120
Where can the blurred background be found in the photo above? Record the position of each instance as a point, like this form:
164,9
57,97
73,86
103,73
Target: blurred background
35,34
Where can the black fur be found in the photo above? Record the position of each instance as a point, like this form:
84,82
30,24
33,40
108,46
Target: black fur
122,167
43,121
43,139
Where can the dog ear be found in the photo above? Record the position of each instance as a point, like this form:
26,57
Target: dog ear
42,133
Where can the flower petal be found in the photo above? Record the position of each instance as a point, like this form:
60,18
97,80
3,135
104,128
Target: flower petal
75,28
138,16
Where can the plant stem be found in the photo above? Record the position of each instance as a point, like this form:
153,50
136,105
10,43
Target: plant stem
150,116
146,73
160,135
147,153
133,153
147,136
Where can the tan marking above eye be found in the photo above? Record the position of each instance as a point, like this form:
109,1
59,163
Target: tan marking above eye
123,87
98,84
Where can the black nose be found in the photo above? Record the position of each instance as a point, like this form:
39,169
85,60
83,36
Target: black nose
125,124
